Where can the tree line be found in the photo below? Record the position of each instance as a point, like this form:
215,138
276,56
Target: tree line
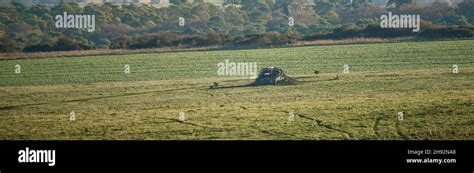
235,24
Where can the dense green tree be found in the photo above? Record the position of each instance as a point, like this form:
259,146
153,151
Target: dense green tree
262,21
466,9
398,3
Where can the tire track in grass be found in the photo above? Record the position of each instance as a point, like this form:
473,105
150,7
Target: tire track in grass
184,122
400,133
376,126
271,132
95,98
210,129
325,125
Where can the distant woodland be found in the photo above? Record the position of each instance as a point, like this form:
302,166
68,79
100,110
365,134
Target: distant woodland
239,23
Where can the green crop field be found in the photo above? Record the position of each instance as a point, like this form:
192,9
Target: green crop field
414,78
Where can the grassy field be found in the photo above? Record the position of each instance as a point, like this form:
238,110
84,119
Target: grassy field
384,79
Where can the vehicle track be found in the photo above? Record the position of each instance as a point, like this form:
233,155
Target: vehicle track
376,126
400,133
325,125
